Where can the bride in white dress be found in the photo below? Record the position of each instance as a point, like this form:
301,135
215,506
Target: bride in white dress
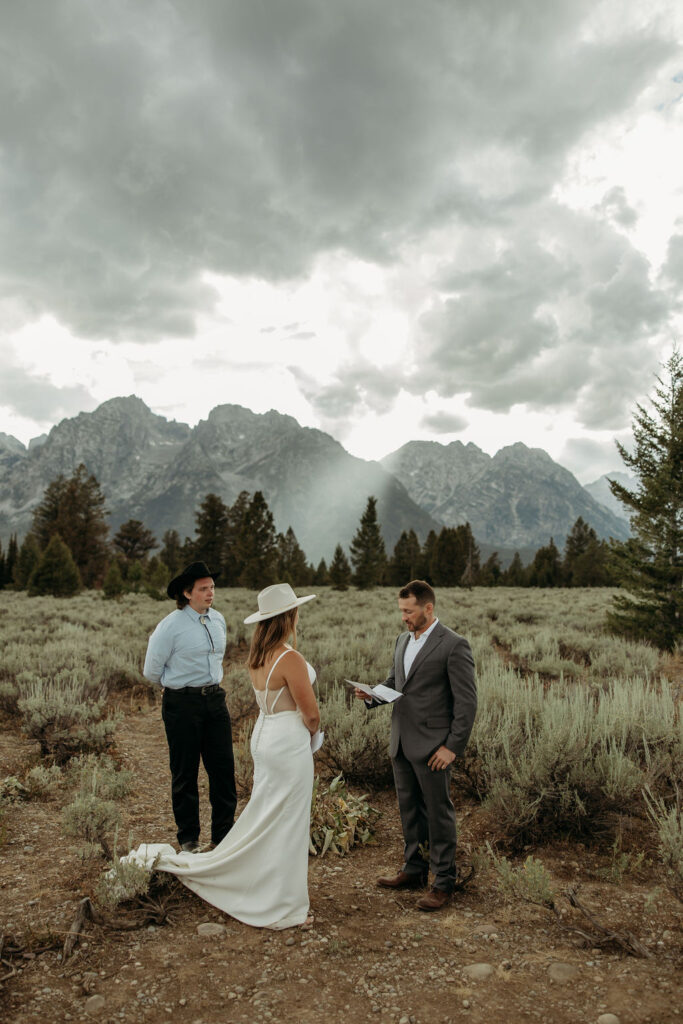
239,875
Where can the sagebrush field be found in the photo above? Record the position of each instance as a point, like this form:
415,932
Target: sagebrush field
569,783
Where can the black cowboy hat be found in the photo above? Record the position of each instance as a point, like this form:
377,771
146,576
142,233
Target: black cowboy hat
196,571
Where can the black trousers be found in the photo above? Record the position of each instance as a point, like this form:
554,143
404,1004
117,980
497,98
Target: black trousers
199,727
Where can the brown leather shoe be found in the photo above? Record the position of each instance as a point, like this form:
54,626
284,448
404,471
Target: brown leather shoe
435,899
403,880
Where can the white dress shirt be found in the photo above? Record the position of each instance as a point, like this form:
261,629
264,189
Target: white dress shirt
414,646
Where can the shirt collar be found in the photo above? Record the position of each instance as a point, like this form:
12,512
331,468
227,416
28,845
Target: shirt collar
196,615
423,636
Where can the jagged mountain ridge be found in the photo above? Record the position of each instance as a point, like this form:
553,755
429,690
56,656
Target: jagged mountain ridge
517,498
601,491
159,471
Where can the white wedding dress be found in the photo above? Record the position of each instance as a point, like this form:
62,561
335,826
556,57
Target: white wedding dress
259,872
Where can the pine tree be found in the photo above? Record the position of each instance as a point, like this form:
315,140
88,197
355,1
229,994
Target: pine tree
546,569
340,570
427,559
650,565
585,558
156,577
75,509
212,525
233,554
113,586
171,553
515,575
404,564
11,557
472,569
259,551
368,555
448,558
292,566
134,540
56,572
321,576
491,571
27,560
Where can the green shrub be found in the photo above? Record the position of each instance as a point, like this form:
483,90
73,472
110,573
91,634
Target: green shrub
92,820
567,759
668,823
356,740
529,882
99,774
339,819
64,721
123,881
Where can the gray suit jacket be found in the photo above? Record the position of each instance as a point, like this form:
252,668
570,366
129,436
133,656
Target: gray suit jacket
439,699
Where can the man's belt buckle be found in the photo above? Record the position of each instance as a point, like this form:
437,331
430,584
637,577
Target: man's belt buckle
208,688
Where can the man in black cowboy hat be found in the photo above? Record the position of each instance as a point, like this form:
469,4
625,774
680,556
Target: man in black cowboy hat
185,657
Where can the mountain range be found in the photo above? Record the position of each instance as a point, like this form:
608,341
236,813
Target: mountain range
159,471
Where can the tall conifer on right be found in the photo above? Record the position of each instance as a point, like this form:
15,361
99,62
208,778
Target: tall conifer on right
649,566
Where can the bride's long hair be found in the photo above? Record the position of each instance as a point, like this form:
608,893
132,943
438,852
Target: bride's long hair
269,633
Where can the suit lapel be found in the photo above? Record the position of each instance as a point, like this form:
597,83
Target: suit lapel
432,641
399,671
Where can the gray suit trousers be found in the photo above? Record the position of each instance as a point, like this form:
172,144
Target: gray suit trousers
427,815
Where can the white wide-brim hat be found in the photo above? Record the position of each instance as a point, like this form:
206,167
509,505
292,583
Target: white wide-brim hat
275,600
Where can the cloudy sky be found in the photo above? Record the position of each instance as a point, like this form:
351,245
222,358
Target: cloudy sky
454,219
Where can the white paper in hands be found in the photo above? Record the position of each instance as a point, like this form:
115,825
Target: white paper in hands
317,738
384,694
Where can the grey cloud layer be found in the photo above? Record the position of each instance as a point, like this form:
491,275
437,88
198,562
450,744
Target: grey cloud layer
145,143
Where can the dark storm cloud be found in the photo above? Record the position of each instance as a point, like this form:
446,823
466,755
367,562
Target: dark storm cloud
145,143
444,422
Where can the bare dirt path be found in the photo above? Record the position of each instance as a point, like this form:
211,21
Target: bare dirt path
368,955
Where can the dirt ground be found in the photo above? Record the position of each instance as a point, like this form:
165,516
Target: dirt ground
368,955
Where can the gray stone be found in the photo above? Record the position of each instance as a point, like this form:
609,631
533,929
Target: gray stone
95,1005
562,973
477,972
211,930
608,1018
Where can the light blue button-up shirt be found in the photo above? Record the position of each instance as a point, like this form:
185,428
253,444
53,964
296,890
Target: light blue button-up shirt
184,652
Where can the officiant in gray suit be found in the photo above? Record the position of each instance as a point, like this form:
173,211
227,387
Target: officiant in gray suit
431,723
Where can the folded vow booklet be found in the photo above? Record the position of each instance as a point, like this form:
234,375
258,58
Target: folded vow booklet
384,694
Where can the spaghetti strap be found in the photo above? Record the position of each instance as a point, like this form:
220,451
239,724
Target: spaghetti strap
272,667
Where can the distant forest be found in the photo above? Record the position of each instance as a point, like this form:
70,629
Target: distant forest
69,547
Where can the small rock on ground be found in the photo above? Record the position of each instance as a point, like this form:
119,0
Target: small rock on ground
563,972
95,1004
477,971
608,1018
211,930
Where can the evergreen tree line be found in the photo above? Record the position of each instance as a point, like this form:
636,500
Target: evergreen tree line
68,547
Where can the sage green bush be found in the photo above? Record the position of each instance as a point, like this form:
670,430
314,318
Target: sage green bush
566,760
64,720
93,815
121,882
668,823
356,739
